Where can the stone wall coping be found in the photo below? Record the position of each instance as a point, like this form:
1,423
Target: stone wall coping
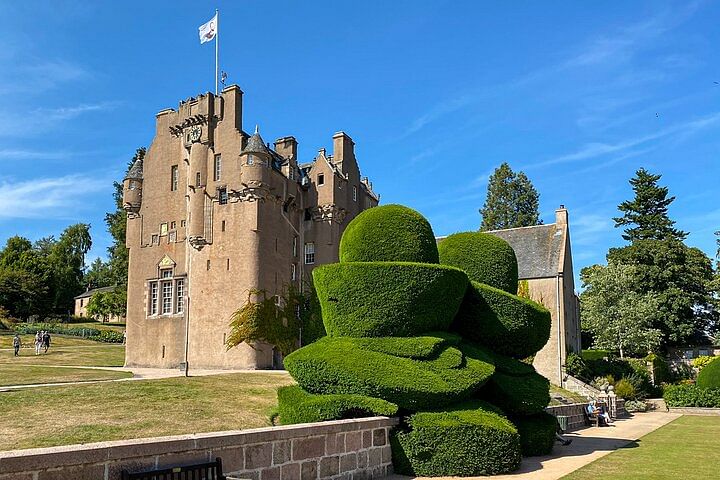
68,455
695,410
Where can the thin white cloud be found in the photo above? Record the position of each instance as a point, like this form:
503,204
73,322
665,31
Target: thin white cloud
41,120
22,154
48,197
18,76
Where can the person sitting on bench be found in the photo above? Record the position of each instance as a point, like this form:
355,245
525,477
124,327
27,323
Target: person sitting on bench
594,410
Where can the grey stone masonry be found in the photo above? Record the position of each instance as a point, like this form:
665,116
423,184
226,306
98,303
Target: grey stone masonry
348,449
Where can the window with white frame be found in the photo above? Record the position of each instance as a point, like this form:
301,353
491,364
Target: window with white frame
250,159
217,170
309,253
294,246
173,178
166,293
180,293
167,297
153,298
293,272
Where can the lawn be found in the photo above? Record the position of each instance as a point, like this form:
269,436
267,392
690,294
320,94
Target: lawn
685,448
29,374
68,350
136,409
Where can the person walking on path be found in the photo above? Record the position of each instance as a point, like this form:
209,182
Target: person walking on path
46,340
16,344
38,342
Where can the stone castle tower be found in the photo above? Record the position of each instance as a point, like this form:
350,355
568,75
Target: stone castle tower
214,212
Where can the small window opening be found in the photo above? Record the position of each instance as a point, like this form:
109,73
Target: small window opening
222,226
321,179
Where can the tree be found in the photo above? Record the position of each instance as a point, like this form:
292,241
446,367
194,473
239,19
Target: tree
67,263
648,211
107,304
618,318
98,275
511,201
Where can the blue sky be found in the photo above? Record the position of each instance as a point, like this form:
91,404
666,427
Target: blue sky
435,94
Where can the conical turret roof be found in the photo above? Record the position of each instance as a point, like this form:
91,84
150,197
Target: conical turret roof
136,171
255,144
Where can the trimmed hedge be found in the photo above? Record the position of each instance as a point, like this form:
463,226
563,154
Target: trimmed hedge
709,376
409,347
691,396
469,439
508,324
94,334
518,395
506,365
390,233
486,259
345,365
381,299
297,406
537,433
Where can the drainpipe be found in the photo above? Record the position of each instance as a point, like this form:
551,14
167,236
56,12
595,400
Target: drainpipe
559,322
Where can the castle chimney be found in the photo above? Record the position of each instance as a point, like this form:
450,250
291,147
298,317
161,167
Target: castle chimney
343,149
561,216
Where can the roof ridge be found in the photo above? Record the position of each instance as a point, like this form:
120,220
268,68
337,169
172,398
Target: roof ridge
519,228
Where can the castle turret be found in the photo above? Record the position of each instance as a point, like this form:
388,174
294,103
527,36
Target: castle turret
255,159
132,187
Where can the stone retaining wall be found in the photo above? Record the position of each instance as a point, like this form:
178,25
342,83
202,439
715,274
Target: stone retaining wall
343,449
705,411
576,412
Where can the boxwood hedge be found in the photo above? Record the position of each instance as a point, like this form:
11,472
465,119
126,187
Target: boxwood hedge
390,233
467,439
297,406
509,324
506,365
344,365
486,259
410,347
691,396
537,433
518,395
379,299
709,376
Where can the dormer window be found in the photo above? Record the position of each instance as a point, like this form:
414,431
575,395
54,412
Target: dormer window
321,179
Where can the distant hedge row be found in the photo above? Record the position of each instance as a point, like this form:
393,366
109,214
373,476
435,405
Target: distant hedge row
691,396
105,336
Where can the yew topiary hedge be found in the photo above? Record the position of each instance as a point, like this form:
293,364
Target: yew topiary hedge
485,258
518,395
537,433
508,324
345,365
378,299
709,376
390,233
469,439
298,406
505,365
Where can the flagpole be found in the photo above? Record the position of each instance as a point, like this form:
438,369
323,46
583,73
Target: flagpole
217,47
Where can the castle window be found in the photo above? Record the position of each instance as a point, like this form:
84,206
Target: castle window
173,178
222,196
155,239
172,237
354,193
321,179
293,272
197,179
218,168
163,229
182,223
308,214
166,273
153,298
309,253
208,265
167,297
250,159
173,225
222,226
294,246
180,289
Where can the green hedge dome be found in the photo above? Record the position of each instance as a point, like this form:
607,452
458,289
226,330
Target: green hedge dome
396,299
467,440
709,376
506,365
390,233
508,324
517,395
345,365
485,258
537,433
297,406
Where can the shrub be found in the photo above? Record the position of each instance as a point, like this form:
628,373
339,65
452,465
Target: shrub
691,396
390,233
709,376
506,365
508,324
635,406
517,395
388,298
625,389
346,365
702,361
469,439
107,336
661,368
537,433
486,259
298,406
576,366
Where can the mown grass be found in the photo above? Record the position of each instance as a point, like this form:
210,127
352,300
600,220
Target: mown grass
64,350
136,409
34,374
686,448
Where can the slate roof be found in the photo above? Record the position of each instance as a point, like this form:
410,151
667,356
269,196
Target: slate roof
136,171
538,249
255,144
90,293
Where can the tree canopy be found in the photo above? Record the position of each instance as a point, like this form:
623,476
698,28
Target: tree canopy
511,201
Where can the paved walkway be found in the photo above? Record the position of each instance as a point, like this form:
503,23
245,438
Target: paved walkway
587,445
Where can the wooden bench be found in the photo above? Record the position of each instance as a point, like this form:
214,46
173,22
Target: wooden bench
591,417
200,471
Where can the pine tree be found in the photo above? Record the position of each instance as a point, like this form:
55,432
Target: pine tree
648,211
511,202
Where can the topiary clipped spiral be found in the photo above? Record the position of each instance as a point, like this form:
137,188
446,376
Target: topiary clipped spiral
537,433
485,258
709,376
391,233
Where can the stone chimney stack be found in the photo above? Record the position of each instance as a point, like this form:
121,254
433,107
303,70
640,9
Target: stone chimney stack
561,216
286,147
343,149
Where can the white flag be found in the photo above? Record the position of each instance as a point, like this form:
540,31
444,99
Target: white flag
209,30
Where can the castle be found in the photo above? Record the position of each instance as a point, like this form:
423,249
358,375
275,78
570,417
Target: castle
214,212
